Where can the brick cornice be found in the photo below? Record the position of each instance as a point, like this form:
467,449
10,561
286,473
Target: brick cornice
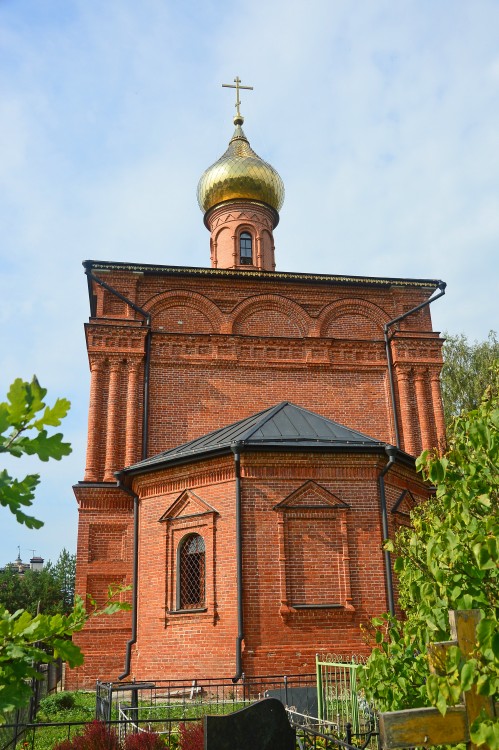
179,478
101,497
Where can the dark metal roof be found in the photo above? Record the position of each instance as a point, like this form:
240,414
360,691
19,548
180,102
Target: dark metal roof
148,268
281,427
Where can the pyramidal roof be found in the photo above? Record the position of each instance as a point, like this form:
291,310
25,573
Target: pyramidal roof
284,426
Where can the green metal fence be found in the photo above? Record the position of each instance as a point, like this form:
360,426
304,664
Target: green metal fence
340,705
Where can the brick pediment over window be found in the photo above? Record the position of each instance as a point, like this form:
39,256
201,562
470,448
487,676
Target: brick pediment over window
311,495
186,504
402,508
313,554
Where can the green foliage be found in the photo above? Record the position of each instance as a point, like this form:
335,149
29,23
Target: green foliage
64,573
26,638
57,702
55,709
29,591
465,374
25,411
26,641
49,591
447,560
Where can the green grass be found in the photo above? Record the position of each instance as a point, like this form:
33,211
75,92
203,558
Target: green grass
179,711
60,708
66,707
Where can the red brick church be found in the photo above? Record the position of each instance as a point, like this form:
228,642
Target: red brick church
251,441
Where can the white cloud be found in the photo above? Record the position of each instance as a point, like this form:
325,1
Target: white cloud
381,118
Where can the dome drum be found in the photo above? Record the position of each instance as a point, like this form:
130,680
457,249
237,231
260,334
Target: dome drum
219,209
229,222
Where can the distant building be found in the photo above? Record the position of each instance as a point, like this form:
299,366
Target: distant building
36,564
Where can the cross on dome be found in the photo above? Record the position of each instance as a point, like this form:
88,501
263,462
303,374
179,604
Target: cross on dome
238,119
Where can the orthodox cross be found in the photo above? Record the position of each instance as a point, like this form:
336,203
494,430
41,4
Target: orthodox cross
238,86
426,726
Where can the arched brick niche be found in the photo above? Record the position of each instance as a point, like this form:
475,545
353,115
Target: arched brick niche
352,319
270,315
184,312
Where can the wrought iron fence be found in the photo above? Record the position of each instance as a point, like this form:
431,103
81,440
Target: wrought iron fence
38,735
312,703
12,732
181,699
35,735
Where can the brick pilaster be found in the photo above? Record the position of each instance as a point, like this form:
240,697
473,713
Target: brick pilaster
405,410
423,408
436,396
112,420
132,414
93,447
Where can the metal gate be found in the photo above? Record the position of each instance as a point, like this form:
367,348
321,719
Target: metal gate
340,706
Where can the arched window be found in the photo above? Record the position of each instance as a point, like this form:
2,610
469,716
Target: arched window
245,249
191,573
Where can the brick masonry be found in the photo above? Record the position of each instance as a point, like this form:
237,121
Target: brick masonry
223,346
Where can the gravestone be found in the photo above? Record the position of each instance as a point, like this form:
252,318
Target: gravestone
301,699
262,726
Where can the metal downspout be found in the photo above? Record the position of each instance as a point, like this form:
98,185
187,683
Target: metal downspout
239,566
145,430
391,452
386,328
135,575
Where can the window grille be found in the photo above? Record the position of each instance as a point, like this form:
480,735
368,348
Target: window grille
192,573
246,249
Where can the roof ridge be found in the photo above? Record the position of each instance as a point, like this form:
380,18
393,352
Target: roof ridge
333,421
273,411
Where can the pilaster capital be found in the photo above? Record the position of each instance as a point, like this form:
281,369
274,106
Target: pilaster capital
133,366
96,364
114,364
420,374
403,373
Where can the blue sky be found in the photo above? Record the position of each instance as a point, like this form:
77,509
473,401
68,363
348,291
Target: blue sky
381,117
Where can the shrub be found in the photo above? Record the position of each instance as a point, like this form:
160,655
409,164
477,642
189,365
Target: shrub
56,702
95,737
191,736
144,741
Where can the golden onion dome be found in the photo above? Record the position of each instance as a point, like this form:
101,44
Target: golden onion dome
240,174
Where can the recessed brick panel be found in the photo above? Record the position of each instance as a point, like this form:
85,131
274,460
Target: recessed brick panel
107,542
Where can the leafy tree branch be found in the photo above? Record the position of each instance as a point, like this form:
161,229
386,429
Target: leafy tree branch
23,412
448,559
26,638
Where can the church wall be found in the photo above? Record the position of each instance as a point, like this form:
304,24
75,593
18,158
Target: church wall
104,558
229,390
277,325
283,638
279,638
222,348
205,640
